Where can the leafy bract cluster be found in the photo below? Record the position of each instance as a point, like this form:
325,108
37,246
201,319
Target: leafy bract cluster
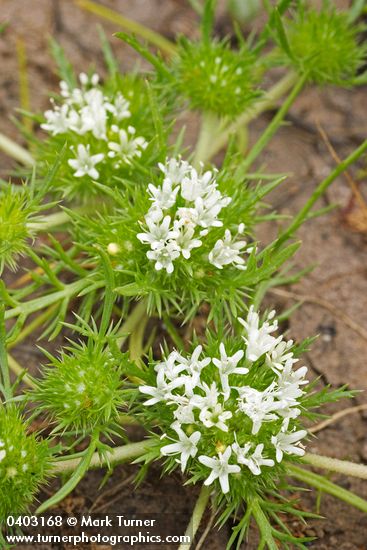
214,77
24,463
324,44
231,416
18,216
82,388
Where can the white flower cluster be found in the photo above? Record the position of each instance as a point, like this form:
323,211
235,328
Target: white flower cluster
187,385
194,202
86,111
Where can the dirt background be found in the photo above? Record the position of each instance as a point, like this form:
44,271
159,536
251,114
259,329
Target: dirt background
333,296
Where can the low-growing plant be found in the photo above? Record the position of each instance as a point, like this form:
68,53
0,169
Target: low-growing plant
142,235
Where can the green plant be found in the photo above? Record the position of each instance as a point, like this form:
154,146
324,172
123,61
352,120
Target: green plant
141,228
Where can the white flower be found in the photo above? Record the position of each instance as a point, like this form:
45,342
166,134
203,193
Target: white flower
215,416
120,107
259,406
84,164
280,354
128,147
185,240
160,392
254,461
169,367
220,468
194,186
2,454
288,387
165,196
228,365
164,255
186,446
288,443
227,252
193,366
259,339
158,234
207,209
174,169
184,414
56,120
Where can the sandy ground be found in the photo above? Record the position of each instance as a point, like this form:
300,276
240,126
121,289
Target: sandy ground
333,296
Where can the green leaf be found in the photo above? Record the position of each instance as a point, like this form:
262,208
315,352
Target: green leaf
131,289
144,52
73,481
65,68
110,59
207,21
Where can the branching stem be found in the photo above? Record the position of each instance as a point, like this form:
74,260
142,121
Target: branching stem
197,515
116,455
335,465
265,103
15,151
323,484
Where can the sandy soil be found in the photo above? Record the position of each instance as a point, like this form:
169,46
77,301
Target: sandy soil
332,297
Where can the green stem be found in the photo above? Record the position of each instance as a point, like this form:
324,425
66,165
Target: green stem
274,125
209,126
20,371
132,321
77,475
136,346
196,517
15,151
32,326
50,221
319,482
266,533
265,103
320,189
333,464
37,304
131,26
4,366
173,333
118,454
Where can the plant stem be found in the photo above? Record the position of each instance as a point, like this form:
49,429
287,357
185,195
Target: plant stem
136,339
274,125
132,321
118,454
209,126
36,304
77,475
342,466
4,366
196,517
32,326
327,486
265,103
266,534
20,371
320,189
131,26
15,151
50,221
